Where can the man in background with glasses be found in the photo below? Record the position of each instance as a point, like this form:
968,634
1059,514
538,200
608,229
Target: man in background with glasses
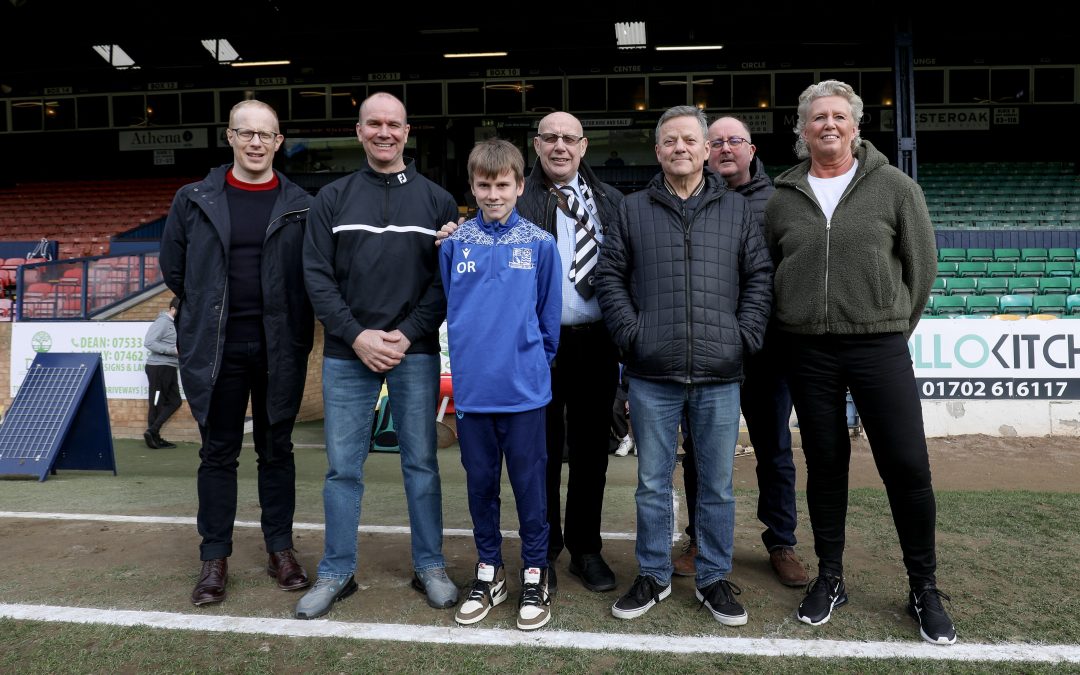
766,402
585,372
231,252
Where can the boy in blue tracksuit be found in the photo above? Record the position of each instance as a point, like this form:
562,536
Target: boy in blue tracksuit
504,300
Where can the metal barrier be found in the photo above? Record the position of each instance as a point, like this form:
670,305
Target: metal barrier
78,289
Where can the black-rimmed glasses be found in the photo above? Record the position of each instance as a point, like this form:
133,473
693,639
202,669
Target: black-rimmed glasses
247,134
734,142
552,139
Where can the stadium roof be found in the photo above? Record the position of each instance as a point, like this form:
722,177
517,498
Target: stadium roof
47,43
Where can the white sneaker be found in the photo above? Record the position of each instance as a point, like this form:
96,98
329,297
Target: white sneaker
625,446
488,590
534,607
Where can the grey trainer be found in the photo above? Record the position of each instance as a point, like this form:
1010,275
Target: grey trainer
441,592
322,596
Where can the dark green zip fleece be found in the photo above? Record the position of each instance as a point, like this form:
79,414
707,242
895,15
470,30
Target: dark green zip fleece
869,270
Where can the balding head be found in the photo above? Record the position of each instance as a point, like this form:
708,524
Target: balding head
383,132
732,162
559,157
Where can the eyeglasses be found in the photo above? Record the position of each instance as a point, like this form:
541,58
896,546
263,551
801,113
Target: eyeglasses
247,134
552,139
734,142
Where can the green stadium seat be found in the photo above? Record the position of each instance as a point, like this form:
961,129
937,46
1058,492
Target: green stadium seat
1007,255
1060,269
1072,303
928,310
1049,304
1023,285
1034,255
992,285
971,269
946,305
1015,304
960,286
1074,285
980,255
952,254
939,286
1054,285
981,304
1030,269
946,269
1062,255
998,269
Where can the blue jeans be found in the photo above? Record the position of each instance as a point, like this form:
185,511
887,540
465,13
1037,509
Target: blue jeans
713,411
350,391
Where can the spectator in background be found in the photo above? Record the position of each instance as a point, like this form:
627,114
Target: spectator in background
766,403
231,252
373,276
614,159
855,255
161,365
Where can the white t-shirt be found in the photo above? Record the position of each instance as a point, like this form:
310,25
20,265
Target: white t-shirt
829,190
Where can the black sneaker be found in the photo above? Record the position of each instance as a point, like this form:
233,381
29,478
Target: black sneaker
151,442
719,597
645,593
162,443
823,595
935,626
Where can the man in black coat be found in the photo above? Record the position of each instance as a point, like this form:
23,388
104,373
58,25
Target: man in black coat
231,252
585,372
685,284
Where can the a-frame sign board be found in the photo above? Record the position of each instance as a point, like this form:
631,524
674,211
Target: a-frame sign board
59,418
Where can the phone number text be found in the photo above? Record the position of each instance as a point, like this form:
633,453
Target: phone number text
1030,388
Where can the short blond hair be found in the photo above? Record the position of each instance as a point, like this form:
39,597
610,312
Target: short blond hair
254,102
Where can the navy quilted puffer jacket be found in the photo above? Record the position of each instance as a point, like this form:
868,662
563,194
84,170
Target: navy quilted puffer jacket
685,294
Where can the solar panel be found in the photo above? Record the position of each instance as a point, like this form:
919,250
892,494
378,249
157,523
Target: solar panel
59,418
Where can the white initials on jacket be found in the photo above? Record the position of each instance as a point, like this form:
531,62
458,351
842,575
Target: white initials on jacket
466,265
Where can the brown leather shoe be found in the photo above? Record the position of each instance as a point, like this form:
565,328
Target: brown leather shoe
290,575
684,564
789,569
211,586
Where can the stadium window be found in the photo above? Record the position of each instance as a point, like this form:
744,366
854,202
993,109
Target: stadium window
26,114
626,93
1055,85
929,86
465,98
163,109
850,77
308,103
544,96
423,98
197,107
504,97
789,86
969,85
878,88
666,91
129,111
59,114
752,91
587,94
345,101
712,91
1010,85
92,112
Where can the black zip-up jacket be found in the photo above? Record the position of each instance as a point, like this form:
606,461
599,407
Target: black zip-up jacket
370,259
195,263
539,203
757,191
685,294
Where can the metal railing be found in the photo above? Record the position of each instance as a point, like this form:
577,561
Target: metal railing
77,289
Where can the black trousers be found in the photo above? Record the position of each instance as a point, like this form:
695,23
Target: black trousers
877,369
243,375
766,407
583,382
164,396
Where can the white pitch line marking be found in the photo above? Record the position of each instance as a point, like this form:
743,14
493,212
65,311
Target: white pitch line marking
183,520
558,639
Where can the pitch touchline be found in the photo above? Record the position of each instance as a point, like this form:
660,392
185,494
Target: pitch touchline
491,637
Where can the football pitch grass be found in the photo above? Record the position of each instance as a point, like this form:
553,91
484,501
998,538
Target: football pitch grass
96,593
